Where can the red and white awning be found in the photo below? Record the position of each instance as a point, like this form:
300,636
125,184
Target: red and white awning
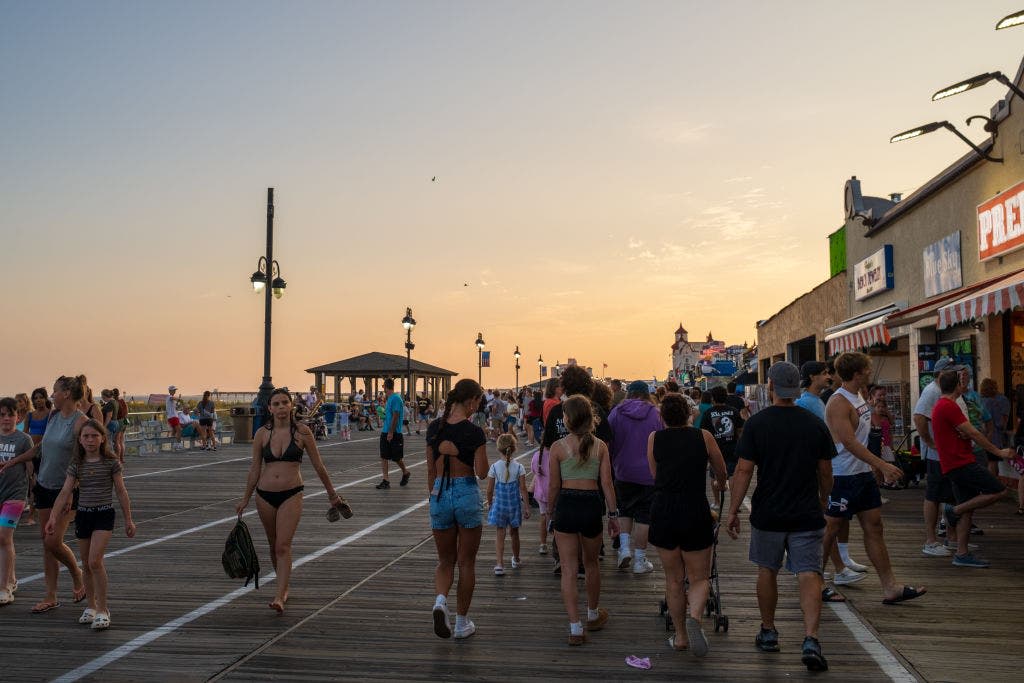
862,335
1005,295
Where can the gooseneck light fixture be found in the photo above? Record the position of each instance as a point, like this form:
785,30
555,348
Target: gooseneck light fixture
976,82
932,127
1010,20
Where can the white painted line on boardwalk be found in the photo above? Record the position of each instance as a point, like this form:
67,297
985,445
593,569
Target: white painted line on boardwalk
173,625
221,462
886,661
203,527
746,503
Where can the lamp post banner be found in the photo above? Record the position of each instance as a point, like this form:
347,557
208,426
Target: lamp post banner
485,359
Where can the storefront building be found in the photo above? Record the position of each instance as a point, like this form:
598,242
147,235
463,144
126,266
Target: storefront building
942,271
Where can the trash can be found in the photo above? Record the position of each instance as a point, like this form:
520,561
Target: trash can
241,423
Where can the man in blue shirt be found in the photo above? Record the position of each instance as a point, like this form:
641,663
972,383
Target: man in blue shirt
391,440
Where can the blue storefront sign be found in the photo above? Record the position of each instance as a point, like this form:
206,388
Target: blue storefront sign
874,274
942,271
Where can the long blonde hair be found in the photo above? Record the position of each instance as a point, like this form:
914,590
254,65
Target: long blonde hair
507,445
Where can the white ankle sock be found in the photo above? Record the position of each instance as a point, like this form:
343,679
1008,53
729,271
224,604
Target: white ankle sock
592,614
460,620
624,541
576,628
441,600
640,554
844,552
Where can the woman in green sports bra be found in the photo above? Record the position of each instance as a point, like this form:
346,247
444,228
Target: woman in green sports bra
580,470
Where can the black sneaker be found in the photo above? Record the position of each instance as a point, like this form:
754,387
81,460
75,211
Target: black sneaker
581,573
405,479
615,542
767,640
977,531
812,657
384,484
558,568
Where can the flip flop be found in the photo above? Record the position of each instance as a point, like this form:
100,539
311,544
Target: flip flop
80,594
344,508
908,593
45,607
638,662
830,594
672,644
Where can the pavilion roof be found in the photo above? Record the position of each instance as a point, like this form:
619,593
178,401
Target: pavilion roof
379,364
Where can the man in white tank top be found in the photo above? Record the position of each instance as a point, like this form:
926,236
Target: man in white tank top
854,488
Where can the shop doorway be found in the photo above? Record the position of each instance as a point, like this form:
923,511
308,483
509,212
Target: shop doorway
801,351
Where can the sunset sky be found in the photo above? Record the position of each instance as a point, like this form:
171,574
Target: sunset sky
604,171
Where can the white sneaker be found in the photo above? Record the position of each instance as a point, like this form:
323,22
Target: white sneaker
935,549
516,564
848,576
499,570
442,621
543,549
825,576
642,566
467,630
5,597
625,557
856,566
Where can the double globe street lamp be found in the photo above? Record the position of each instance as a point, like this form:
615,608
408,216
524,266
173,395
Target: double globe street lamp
517,355
268,272
480,358
408,322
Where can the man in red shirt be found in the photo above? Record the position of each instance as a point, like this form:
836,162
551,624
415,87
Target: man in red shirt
974,486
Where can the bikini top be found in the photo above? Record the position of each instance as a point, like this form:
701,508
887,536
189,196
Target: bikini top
291,454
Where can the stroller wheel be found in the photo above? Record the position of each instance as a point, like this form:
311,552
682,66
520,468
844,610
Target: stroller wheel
662,607
724,622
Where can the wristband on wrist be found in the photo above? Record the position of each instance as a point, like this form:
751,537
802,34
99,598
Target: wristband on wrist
612,514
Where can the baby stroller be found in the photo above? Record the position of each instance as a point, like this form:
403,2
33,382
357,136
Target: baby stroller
713,608
912,464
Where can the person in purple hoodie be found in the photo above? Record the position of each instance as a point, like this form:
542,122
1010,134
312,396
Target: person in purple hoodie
632,422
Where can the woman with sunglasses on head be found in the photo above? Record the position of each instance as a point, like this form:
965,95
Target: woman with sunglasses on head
56,449
274,475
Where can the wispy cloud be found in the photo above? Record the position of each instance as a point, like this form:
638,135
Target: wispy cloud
738,179
634,243
668,127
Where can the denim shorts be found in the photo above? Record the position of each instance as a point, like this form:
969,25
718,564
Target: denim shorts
802,549
458,503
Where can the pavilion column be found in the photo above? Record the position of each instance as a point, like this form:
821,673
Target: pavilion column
337,389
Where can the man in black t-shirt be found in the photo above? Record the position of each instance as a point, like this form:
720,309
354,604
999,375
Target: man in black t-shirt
423,406
737,401
725,424
792,450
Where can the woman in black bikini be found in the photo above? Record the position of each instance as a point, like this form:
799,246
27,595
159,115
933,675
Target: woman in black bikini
276,454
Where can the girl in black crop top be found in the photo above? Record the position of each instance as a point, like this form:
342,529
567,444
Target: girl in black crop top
274,475
456,460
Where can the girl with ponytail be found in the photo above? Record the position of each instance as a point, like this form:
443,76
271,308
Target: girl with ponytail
506,493
580,470
456,459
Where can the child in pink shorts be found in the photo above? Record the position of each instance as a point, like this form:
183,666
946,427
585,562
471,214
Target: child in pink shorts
540,493
13,491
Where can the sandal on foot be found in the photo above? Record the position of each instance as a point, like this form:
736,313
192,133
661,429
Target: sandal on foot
672,644
80,594
88,616
6,597
100,622
908,593
830,594
344,508
45,607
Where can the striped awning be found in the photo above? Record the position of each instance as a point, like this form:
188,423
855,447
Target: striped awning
867,333
1005,295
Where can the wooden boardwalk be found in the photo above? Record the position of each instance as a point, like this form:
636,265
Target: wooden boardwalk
360,601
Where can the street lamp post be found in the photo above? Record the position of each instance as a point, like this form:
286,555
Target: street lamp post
480,358
517,355
540,373
408,322
268,272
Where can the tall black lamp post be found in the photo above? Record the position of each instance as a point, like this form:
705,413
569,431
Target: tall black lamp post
540,373
408,322
480,358
268,272
517,355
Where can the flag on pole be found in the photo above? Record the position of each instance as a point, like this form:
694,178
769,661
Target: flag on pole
543,371
486,359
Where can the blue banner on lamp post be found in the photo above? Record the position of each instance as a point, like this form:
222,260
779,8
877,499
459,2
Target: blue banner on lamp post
485,359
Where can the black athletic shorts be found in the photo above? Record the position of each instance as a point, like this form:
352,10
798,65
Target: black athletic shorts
45,498
972,480
634,501
938,489
579,511
206,422
88,520
678,523
853,493
394,449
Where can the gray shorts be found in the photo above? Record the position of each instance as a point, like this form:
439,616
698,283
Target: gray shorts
802,549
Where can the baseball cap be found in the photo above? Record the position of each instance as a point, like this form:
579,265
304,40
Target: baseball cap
809,369
785,379
638,387
171,389
946,363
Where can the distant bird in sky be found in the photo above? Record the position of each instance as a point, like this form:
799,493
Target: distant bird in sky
433,179
465,284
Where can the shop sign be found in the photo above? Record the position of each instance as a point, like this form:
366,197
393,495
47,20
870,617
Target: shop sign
874,274
1000,229
942,271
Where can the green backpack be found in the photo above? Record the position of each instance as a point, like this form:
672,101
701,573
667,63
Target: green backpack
239,559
